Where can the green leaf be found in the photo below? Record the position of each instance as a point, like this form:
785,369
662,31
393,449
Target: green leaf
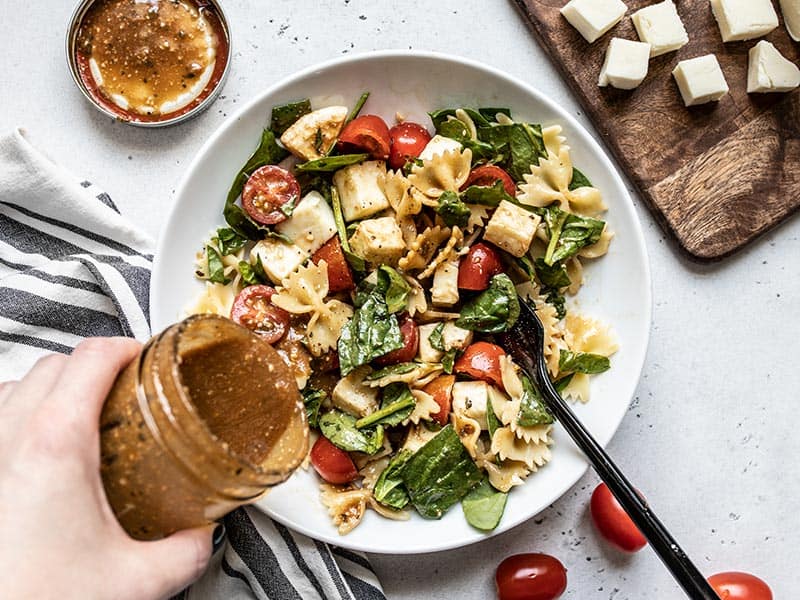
397,404
439,117
568,233
582,362
389,489
398,369
370,333
285,115
216,268
408,168
452,210
523,143
579,180
448,360
357,108
532,410
328,164
491,418
435,339
394,288
557,300
484,506
486,195
440,474
313,399
456,130
551,276
563,382
340,428
228,241
490,114
493,310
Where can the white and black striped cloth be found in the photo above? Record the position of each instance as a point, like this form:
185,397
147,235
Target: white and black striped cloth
72,267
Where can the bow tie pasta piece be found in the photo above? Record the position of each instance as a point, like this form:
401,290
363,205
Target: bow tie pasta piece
346,506
506,475
507,446
442,172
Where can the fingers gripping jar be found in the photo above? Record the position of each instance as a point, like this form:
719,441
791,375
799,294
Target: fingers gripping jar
205,419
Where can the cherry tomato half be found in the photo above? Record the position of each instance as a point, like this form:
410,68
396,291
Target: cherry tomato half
477,268
613,523
481,360
739,586
487,175
333,464
367,133
441,389
253,309
410,333
408,141
530,577
267,190
340,277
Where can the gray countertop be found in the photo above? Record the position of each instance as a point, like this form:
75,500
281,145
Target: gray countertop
710,437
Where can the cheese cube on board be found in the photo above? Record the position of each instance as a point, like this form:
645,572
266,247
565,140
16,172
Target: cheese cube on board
770,71
700,80
791,17
744,19
626,64
593,18
311,224
660,26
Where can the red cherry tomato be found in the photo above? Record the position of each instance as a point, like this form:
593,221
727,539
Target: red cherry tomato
477,268
487,175
253,309
408,352
333,464
408,141
266,191
530,577
367,133
481,360
340,277
441,389
613,523
739,586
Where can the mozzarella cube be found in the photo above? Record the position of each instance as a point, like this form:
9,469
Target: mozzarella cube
660,26
439,144
469,398
444,291
791,17
360,190
625,66
378,241
428,353
353,397
311,224
700,80
770,71
312,135
593,18
279,258
511,228
744,19
454,336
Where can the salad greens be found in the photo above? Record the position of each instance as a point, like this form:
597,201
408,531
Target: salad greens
313,399
357,107
582,362
435,339
216,268
579,180
493,423
228,241
485,195
389,489
370,333
568,233
394,288
284,115
448,360
340,428
397,404
253,273
398,369
484,506
522,142
452,210
493,311
532,410
329,164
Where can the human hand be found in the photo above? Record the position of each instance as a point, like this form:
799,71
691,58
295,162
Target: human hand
58,534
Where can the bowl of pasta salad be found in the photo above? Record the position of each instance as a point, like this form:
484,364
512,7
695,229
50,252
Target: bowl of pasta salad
378,220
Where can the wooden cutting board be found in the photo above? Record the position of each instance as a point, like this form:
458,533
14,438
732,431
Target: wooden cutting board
716,176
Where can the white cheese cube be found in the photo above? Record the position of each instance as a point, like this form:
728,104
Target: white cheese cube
593,18
791,17
352,396
700,80
770,71
279,258
469,398
511,228
312,135
311,223
359,189
439,144
378,241
625,66
660,26
444,291
744,19
428,353
454,336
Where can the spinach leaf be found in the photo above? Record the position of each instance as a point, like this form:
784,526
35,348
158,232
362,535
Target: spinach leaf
228,241
491,417
328,164
490,114
448,360
558,301
252,273
389,489
452,210
397,404
484,506
582,362
394,288
551,276
216,268
284,115
370,333
340,428
562,383
568,233
313,399
440,474
357,107
435,339
486,195
358,264
398,369
524,144
456,130
493,310
532,410
408,168
439,117
579,180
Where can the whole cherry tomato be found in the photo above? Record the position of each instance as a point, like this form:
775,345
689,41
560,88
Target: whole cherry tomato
486,175
481,360
340,277
410,333
477,268
266,191
253,308
613,523
367,133
530,577
408,141
739,586
333,464
441,389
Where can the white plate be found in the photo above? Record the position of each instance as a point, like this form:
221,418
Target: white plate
617,288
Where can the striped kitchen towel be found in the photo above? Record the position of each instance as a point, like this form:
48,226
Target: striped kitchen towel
71,267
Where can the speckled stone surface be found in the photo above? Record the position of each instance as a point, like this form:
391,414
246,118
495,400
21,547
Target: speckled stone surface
711,437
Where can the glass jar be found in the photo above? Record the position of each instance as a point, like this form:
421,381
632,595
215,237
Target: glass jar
205,419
